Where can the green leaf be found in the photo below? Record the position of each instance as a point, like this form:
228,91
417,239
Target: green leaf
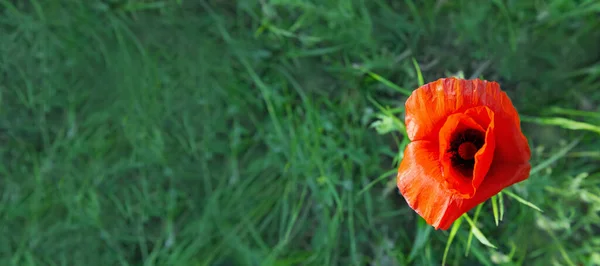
477,233
387,120
460,74
522,201
453,232
386,124
419,74
495,209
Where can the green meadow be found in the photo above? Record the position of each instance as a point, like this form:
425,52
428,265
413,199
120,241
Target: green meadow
268,132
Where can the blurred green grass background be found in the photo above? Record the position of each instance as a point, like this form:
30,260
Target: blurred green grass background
221,132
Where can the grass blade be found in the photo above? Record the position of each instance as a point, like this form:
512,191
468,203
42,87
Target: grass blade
573,112
419,74
495,209
389,83
470,239
453,232
377,180
561,248
423,232
522,201
501,203
555,157
477,233
562,122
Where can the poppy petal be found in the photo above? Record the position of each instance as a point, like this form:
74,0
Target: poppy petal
517,148
499,177
429,106
419,178
484,157
455,181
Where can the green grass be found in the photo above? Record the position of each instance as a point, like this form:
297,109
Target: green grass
211,132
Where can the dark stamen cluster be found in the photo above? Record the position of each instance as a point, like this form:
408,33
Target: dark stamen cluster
473,136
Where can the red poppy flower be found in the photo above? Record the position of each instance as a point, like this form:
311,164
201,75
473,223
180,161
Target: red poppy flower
466,146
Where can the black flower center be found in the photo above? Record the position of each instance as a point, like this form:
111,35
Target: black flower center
463,147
